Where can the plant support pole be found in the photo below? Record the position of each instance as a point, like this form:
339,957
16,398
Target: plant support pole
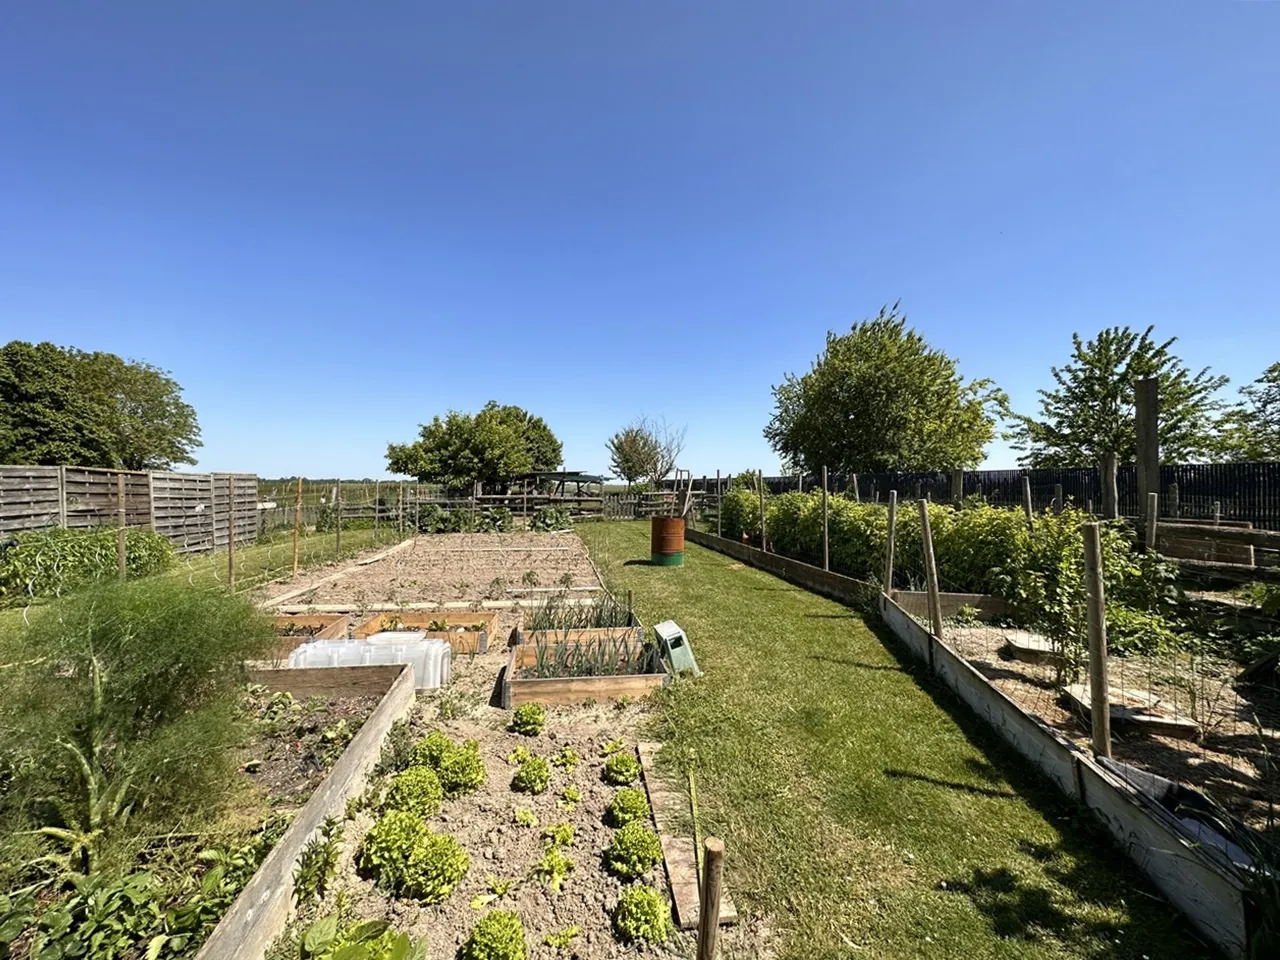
1110,492
1152,518
719,503
297,524
1099,689
337,513
231,531
888,549
931,575
709,902
764,542
122,561
1026,502
376,511
826,542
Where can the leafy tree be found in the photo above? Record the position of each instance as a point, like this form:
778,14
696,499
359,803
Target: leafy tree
879,398
646,449
45,416
633,452
1251,431
151,426
463,448
1091,410
65,406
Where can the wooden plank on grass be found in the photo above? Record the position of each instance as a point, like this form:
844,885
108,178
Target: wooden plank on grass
670,813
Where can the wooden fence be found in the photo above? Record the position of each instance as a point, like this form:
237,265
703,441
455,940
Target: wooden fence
192,510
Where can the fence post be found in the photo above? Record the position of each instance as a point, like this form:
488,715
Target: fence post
888,549
417,495
764,541
231,531
1175,506
1152,517
931,576
297,524
719,503
1110,494
121,535
1147,420
826,541
957,486
1058,505
337,513
62,497
1099,688
709,907
376,511
857,496
1026,502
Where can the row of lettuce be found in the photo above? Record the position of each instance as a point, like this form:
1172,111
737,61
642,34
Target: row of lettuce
1038,572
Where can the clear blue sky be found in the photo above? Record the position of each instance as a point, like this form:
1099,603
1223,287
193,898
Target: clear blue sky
333,220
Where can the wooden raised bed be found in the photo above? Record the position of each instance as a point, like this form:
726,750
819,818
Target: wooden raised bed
566,690
327,627
462,641
262,910
581,635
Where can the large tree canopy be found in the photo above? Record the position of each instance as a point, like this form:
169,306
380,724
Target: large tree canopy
879,398
1091,410
65,406
463,448
645,450
1251,431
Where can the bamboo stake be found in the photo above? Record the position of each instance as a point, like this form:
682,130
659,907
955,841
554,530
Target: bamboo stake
931,575
297,524
888,559
764,541
122,561
826,541
1099,689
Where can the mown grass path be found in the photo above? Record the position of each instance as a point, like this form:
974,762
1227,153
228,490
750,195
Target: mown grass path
863,809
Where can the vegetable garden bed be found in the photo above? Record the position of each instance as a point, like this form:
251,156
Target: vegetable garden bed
465,632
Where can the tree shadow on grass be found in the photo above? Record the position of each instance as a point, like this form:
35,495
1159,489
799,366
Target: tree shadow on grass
856,664
1084,860
951,784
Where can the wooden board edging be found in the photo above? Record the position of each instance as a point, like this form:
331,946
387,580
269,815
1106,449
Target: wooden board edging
262,910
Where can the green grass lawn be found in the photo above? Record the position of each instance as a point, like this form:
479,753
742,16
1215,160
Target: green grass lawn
865,812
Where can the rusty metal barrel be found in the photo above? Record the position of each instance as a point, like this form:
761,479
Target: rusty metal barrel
666,542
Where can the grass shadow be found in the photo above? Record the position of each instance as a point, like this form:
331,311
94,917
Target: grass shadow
951,784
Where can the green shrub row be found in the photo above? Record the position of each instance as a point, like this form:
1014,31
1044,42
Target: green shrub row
436,519
51,563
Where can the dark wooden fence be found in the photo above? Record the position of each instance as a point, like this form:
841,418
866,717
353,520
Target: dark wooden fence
1227,491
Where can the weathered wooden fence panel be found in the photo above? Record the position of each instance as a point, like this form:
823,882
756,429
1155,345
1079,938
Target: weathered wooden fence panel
182,509
92,498
30,498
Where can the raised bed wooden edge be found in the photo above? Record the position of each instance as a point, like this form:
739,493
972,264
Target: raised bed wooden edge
261,912
573,689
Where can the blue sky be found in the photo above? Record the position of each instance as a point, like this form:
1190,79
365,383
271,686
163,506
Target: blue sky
331,221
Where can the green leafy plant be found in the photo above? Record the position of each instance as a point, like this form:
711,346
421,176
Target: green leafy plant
642,913
559,835
496,936
612,746
497,890
570,797
318,863
567,759
551,518
529,719
325,939
405,858
533,776
519,755
562,939
635,849
417,791
627,806
397,749
524,817
57,562
554,868
621,769
458,766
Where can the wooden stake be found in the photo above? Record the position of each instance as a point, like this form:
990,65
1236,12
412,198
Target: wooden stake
337,513
764,541
1099,688
857,497
122,562
376,511
826,541
719,503
888,547
1152,517
709,902
931,575
1174,500
1110,494
1026,502
231,531
957,486
400,510
297,524
1147,421
1058,505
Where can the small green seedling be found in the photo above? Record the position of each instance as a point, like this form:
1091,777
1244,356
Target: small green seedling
621,769
524,817
553,869
612,747
559,835
533,776
567,759
497,890
519,755
529,719
569,798
562,939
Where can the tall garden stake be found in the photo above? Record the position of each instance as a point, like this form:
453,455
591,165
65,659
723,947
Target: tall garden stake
764,541
1152,515
231,531
297,523
931,576
709,901
122,552
888,549
1026,502
719,502
826,543
337,513
1099,688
